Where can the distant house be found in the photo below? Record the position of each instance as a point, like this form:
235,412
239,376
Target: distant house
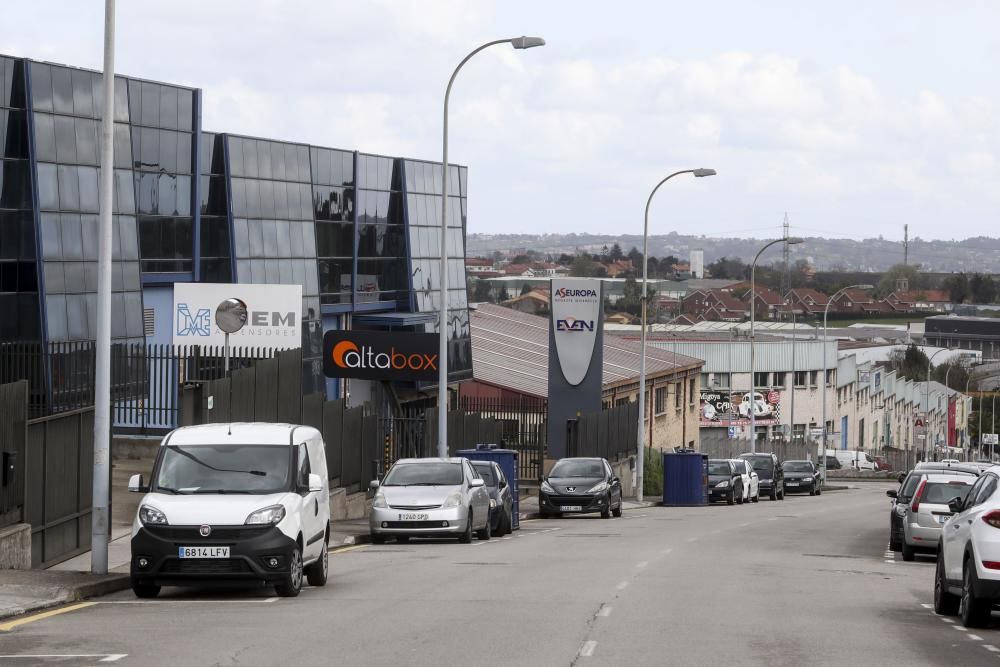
548,270
480,267
519,270
619,268
534,302
620,318
767,304
853,301
683,319
806,301
713,305
921,300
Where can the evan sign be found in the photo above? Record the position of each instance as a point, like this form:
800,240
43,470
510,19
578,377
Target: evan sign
576,312
274,315
380,355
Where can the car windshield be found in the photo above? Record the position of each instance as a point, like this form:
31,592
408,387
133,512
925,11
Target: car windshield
577,468
424,474
939,493
718,468
761,464
254,469
485,471
796,466
909,486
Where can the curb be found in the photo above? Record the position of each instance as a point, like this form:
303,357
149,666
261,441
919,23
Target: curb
352,540
112,584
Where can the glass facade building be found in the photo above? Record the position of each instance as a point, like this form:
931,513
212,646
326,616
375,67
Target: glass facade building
359,232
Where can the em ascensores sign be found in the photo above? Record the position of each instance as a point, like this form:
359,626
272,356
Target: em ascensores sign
380,355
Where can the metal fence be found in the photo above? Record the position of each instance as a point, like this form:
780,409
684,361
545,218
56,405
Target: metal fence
13,424
523,428
609,433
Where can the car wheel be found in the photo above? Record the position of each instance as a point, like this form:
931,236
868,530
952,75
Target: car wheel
486,532
145,591
973,611
908,553
291,585
781,494
945,603
819,491
756,497
378,539
317,573
499,532
606,512
617,511
812,491
774,493
731,500
466,536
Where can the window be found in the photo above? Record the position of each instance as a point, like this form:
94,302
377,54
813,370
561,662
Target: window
691,391
987,489
799,432
660,400
761,379
800,378
706,383
677,395
621,401
812,378
779,380
302,467
829,376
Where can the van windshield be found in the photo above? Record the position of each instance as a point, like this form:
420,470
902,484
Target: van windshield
251,469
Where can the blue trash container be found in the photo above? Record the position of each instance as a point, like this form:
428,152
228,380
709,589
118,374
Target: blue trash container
684,479
507,460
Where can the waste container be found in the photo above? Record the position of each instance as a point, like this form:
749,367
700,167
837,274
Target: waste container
507,460
685,478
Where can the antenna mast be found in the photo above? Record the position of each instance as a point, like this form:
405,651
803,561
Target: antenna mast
785,276
906,244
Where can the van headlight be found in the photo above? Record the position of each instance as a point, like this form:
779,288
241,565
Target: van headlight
378,502
453,500
150,516
600,487
268,516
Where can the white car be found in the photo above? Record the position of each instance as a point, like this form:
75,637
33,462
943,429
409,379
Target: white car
751,481
233,502
761,408
967,581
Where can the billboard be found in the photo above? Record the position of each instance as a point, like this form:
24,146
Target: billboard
380,355
724,408
274,315
576,316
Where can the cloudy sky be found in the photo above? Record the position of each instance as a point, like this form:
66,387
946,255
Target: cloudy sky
852,117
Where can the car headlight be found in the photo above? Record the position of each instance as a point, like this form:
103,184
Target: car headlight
267,516
493,504
600,487
152,516
723,484
453,500
379,501
547,488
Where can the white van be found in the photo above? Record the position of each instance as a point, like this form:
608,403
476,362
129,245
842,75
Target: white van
233,502
852,459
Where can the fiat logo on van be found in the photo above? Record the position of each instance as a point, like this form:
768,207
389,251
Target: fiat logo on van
205,531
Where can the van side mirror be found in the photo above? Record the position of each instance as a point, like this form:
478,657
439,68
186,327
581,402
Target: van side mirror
955,505
373,485
315,483
136,485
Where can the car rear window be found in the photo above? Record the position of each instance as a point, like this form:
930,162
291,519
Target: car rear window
718,468
939,493
486,472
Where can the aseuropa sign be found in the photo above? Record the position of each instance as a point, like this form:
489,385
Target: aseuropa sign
380,355
576,314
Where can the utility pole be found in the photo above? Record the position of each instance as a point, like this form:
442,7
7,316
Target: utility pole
786,279
906,244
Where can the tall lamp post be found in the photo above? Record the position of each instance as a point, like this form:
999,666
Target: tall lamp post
517,43
826,311
790,240
641,431
927,401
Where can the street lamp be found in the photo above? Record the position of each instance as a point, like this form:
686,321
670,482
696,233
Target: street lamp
927,400
640,435
793,240
826,311
517,43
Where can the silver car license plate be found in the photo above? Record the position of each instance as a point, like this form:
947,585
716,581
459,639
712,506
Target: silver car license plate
413,516
572,508
203,552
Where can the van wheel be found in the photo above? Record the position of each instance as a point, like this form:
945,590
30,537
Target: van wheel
145,590
466,536
318,571
291,585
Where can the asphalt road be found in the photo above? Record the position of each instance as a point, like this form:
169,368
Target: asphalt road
804,581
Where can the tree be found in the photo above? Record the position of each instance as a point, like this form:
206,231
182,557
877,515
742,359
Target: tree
582,267
954,372
483,291
636,257
957,286
616,253
910,364
504,295
982,288
525,289
887,285
728,268
521,259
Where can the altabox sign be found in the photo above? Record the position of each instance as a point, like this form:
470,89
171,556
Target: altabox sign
380,355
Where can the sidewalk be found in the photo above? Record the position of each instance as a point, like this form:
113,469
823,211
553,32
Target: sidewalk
26,591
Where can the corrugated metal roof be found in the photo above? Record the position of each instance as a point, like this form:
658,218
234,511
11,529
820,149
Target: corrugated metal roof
510,349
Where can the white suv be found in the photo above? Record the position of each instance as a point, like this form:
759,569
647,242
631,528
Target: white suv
967,580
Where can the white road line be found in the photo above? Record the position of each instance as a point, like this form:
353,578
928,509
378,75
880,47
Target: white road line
926,605
506,538
989,647
960,628
666,552
891,562
773,518
604,611
622,586
975,638
104,657
641,564
946,619
588,648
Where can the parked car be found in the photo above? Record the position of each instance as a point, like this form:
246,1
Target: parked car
751,481
907,487
430,497
233,501
772,477
832,463
724,481
928,510
801,476
501,497
852,459
967,580
581,486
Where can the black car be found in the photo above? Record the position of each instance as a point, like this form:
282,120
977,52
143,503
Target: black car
580,486
501,498
772,477
724,481
801,476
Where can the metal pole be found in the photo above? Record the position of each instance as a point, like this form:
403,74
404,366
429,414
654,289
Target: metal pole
791,417
102,388
993,419
227,355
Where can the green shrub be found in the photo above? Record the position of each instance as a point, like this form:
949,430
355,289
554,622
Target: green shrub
652,473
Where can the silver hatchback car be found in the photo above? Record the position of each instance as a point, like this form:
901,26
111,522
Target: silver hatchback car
430,498
928,510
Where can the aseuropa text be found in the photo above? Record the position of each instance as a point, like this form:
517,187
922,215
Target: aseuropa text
562,292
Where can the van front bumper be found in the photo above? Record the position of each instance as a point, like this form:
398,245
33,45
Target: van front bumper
260,553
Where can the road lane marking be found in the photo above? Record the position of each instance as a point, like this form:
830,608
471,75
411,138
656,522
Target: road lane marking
960,628
622,586
104,657
991,648
975,638
926,605
604,611
342,550
946,619
10,625
588,648
666,552
641,564
183,601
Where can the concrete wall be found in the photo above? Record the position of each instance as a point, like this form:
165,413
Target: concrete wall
15,547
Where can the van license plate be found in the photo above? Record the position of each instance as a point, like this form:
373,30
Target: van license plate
413,516
203,552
